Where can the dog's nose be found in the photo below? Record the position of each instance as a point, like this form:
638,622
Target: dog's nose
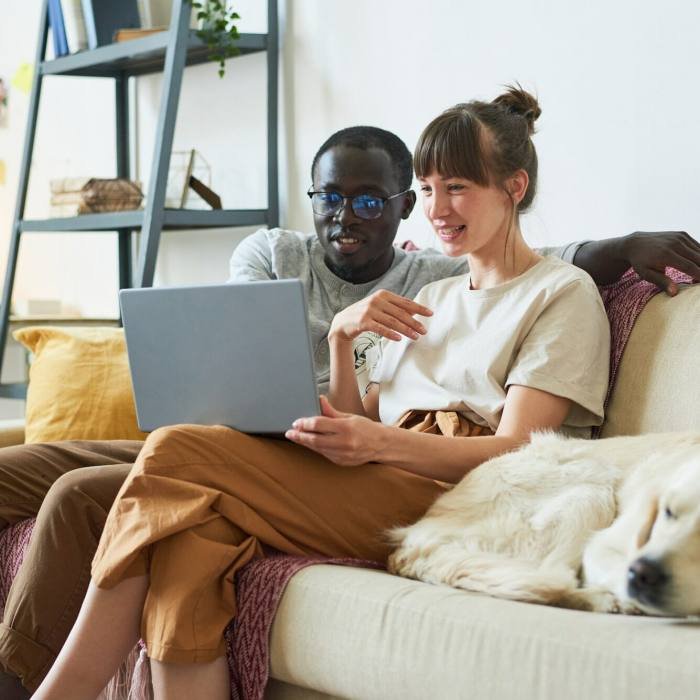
645,579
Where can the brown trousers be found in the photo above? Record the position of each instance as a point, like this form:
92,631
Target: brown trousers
62,485
70,486
201,501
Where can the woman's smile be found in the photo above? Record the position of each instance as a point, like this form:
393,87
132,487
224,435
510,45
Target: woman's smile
449,234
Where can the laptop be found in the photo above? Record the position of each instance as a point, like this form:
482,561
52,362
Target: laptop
234,354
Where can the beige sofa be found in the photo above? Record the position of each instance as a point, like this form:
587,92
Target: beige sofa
353,633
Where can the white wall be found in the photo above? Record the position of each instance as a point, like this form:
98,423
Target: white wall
616,140
616,81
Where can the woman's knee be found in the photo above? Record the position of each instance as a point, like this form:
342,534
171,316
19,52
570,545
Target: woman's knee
186,444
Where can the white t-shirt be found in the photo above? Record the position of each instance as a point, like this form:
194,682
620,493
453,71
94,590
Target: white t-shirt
546,329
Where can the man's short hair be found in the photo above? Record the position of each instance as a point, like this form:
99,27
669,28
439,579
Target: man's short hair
366,137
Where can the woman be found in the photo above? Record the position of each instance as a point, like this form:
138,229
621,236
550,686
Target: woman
518,345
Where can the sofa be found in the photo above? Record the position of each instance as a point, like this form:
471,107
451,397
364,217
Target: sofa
352,633
345,632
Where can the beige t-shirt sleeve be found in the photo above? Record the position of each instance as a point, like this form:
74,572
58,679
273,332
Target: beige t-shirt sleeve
567,353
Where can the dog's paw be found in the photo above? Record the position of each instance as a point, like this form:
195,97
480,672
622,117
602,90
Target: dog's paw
592,600
401,562
627,607
417,546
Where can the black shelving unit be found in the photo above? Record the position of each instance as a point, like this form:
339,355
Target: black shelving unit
167,52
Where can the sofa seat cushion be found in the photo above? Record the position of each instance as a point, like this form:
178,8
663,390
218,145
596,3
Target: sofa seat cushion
356,633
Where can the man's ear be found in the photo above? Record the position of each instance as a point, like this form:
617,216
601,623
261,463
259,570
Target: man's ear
409,203
517,184
648,525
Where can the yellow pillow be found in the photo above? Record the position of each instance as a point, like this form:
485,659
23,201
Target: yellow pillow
79,385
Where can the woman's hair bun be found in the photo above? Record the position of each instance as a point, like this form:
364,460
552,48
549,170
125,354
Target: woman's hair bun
521,102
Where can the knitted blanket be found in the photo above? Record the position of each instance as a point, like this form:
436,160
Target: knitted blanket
261,583
624,300
259,587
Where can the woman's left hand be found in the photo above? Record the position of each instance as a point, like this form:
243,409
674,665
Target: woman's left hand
343,438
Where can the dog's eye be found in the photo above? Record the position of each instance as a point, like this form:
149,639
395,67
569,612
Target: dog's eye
669,513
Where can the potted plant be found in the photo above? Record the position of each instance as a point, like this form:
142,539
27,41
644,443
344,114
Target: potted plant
217,29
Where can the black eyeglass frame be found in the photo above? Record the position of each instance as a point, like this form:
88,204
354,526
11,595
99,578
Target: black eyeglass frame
352,199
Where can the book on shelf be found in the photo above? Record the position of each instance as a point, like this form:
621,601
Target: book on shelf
130,34
104,18
66,198
58,30
67,184
74,24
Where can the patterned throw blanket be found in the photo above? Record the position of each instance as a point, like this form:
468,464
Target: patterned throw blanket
261,583
624,300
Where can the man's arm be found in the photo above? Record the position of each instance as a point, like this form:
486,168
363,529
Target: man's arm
648,253
252,259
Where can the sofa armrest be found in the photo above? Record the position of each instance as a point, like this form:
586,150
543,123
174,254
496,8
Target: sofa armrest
11,432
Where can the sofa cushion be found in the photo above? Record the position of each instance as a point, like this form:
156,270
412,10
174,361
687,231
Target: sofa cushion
11,431
660,369
79,385
356,633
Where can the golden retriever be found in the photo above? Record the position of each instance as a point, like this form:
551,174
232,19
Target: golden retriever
608,525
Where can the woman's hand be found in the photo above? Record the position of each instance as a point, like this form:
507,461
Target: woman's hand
343,438
383,312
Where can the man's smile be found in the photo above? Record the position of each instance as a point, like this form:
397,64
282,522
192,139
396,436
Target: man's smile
345,243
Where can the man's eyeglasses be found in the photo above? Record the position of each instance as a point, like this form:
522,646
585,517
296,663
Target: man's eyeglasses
364,206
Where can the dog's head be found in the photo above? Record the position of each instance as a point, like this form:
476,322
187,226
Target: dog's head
664,576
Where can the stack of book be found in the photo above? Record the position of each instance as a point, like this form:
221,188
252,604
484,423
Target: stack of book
77,25
71,196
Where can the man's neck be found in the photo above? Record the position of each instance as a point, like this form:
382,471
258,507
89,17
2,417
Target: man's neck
367,273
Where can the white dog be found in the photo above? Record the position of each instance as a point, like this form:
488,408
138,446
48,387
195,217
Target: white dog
609,525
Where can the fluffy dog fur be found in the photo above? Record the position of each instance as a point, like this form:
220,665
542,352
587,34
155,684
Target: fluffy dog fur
608,525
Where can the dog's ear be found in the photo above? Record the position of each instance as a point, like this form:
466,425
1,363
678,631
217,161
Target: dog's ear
648,525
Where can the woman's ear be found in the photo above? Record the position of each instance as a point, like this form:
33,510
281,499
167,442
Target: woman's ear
648,524
517,185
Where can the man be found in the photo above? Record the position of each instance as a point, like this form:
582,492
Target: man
360,193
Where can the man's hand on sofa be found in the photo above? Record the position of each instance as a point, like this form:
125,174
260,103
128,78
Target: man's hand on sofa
649,253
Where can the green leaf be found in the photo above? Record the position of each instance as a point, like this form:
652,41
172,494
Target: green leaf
219,33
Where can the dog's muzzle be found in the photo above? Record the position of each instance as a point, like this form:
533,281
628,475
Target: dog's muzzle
646,581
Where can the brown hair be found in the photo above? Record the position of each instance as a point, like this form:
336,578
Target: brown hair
485,142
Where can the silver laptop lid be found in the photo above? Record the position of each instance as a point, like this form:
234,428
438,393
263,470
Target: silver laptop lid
235,354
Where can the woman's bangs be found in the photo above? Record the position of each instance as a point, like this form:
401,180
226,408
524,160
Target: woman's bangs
451,147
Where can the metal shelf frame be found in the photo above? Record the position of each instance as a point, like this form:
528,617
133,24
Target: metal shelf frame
173,219
167,52
140,56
